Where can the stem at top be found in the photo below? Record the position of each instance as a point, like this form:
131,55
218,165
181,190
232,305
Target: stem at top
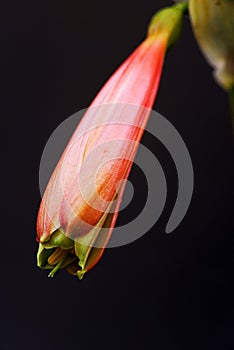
167,23
231,99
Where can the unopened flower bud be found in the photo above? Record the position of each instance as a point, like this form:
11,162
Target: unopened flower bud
213,25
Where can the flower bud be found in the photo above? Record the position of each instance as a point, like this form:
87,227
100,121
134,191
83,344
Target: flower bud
64,214
213,25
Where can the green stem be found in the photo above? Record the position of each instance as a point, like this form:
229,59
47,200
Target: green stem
167,23
231,99
57,267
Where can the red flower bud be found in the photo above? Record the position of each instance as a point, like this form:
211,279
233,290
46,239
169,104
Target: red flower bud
79,207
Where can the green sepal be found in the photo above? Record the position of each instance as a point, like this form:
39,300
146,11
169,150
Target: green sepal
80,274
84,245
42,257
58,239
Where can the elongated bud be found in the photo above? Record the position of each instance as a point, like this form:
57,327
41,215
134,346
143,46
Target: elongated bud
213,25
64,214
168,23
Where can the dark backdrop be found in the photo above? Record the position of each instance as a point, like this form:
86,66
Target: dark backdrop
163,291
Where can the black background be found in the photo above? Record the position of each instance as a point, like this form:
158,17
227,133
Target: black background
163,291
